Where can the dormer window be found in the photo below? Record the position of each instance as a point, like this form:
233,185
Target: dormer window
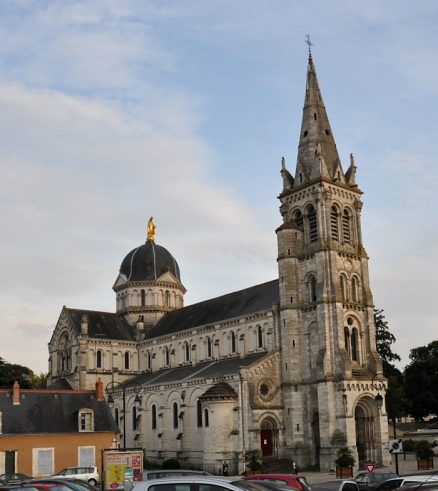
86,420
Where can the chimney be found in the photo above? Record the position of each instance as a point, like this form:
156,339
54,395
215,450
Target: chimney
99,390
84,325
16,394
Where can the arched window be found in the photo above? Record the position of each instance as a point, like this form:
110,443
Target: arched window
143,298
127,360
354,345
346,232
209,348
186,352
259,337
134,418
199,413
354,289
167,298
154,417
99,359
347,339
175,415
148,360
334,223
343,288
233,342
313,225
312,288
206,418
297,219
166,356
116,416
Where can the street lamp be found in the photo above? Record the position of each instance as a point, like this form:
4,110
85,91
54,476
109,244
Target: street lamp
116,390
378,398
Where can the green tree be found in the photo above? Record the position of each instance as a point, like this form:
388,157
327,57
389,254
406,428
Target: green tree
9,373
421,377
39,381
396,403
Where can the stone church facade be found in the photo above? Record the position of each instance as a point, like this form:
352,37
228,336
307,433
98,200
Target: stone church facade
289,367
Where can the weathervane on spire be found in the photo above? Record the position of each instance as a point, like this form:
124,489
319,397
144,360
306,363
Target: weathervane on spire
309,44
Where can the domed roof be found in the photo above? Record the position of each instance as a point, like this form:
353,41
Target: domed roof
148,262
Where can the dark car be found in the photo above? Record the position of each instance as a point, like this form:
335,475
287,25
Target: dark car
370,480
338,485
15,478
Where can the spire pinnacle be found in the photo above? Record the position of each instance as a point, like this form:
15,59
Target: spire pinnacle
151,229
309,44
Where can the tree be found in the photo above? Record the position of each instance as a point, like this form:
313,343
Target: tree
420,381
39,381
9,373
396,403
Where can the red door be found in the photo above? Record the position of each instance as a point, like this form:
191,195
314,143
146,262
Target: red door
266,442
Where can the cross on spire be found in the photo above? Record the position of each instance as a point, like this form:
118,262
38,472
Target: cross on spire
309,44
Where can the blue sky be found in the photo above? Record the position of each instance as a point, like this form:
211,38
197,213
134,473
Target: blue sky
113,111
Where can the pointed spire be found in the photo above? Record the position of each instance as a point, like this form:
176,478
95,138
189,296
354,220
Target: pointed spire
316,132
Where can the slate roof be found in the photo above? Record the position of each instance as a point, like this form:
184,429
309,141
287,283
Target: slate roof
105,325
44,411
220,390
148,262
210,369
236,304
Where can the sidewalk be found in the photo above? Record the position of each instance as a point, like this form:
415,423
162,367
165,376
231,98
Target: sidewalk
406,466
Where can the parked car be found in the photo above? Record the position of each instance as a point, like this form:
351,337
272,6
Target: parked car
406,481
248,485
83,473
15,478
298,482
46,486
338,485
70,483
370,480
147,475
185,483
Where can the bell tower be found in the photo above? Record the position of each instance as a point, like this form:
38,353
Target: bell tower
329,356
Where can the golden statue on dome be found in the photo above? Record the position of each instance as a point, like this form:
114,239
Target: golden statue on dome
151,229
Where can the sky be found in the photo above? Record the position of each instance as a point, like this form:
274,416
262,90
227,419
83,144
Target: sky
112,111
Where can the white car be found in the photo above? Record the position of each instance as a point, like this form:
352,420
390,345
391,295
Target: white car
187,483
83,473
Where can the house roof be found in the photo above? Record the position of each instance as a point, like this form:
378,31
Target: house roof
52,411
254,299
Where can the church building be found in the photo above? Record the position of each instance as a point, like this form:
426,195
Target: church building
289,367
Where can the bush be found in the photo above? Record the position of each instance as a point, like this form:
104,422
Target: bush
424,450
253,459
345,458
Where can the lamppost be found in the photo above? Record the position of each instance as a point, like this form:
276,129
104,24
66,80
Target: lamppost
116,390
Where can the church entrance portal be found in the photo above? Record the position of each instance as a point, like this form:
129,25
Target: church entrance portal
365,416
268,437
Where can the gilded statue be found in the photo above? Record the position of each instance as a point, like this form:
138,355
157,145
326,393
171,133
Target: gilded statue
151,229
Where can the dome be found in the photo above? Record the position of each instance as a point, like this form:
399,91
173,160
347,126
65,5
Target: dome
148,262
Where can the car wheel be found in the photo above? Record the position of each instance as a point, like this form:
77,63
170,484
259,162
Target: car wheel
93,482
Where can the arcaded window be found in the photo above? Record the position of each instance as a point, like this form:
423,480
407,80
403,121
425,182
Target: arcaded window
233,342
199,413
313,225
334,223
206,418
298,219
167,298
209,348
127,360
346,227
175,415
259,337
148,360
143,298
312,288
154,417
347,338
354,344
354,289
186,349
166,356
343,288
99,359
